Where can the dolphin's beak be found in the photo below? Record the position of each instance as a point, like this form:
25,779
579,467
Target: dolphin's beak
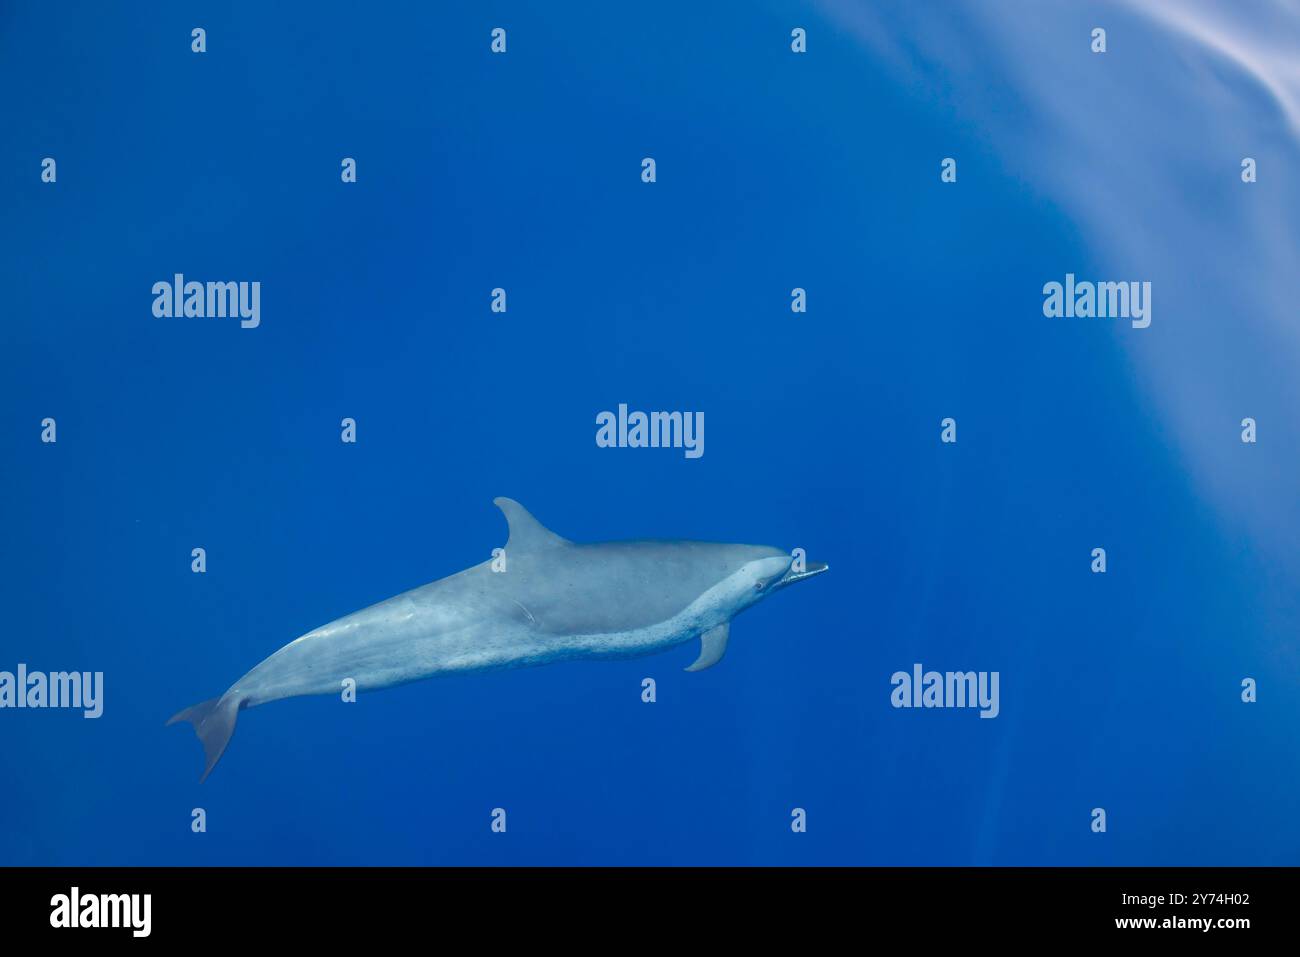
810,569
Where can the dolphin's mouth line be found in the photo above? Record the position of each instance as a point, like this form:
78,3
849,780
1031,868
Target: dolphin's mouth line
810,569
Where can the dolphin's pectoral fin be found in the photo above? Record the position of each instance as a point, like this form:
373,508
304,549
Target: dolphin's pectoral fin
526,532
713,645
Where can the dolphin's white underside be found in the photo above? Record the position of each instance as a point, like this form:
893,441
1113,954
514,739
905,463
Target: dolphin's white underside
406,644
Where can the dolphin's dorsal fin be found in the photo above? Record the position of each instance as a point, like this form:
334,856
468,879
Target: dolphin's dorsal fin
713,645
526,532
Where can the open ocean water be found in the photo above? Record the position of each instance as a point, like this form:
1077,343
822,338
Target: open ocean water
775,170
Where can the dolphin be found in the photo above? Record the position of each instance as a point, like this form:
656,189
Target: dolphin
542,599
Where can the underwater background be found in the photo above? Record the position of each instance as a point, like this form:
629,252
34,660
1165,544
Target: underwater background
775,170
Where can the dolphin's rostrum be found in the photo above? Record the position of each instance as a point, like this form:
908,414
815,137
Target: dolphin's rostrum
553,600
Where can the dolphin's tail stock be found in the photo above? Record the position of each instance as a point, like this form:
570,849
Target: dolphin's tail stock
214,723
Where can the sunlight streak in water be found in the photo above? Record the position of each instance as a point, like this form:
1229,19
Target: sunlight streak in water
1142,147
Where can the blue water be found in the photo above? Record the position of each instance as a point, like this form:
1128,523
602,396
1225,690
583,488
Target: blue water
774,170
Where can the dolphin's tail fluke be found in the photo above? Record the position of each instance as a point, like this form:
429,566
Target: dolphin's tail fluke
214,723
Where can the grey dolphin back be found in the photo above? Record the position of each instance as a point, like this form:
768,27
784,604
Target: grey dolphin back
526,532
572,588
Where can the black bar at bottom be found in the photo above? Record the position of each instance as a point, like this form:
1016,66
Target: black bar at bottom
333,906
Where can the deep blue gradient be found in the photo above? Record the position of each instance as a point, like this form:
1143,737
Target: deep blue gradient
775,170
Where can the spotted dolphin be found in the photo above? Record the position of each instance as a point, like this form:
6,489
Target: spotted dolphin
542,599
